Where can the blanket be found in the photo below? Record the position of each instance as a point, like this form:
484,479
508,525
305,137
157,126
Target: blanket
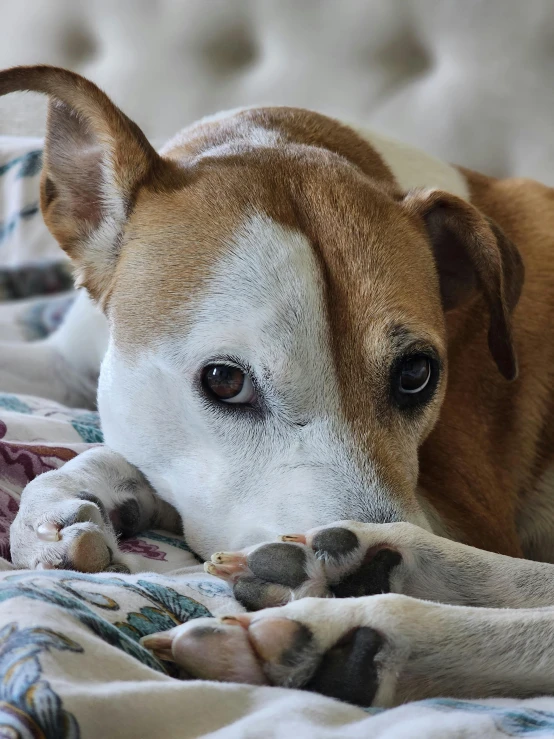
71,664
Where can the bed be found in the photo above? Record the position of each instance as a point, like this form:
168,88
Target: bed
70,660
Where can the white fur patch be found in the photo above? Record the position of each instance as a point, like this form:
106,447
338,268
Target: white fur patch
413,168
246,137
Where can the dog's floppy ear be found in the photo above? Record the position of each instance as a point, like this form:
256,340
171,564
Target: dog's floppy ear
472,253
95,159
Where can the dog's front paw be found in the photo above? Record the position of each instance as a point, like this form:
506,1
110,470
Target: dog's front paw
73,533
348,649
345,559
70,518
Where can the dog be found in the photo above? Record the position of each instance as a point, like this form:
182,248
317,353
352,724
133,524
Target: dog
300,326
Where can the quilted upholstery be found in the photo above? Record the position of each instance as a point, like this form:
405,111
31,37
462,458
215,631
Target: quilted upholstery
469,80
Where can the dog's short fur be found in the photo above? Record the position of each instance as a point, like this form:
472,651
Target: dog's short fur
316,258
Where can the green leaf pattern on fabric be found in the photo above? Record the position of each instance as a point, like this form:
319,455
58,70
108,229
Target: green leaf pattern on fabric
28,705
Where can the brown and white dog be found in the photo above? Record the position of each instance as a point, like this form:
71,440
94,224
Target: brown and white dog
281,300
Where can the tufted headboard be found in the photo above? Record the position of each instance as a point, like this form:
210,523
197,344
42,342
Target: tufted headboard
469,80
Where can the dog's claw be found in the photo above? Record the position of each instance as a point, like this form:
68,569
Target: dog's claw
224,572
217,570
227,565
296,538
159,640
230,559
160,644
49,531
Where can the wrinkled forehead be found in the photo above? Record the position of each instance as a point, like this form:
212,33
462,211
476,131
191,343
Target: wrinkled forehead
262,262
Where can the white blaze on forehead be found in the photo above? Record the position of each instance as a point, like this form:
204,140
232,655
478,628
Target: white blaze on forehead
265,305
245,138
246,135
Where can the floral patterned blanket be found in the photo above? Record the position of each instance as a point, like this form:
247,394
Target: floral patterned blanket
70,660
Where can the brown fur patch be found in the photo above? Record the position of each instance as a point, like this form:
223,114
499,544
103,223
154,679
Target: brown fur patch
494,439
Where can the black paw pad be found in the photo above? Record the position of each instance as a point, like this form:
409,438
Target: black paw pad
301,648
336,542
254,593
371,578
126,518
347,671
280,563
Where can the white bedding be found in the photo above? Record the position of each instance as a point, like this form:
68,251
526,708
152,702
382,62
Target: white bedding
70,662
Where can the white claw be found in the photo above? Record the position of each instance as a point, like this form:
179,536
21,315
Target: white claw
48,531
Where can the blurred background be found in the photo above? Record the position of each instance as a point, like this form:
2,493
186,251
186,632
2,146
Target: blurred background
468,80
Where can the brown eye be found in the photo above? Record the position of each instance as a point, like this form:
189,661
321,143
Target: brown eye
228,383
415,373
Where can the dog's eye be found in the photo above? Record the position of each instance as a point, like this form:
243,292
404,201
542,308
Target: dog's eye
228,383
414,379
414,375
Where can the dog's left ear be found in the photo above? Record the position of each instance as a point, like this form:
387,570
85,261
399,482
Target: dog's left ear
473,254
95,161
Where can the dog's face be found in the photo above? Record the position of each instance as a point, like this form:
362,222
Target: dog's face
278,347
274,367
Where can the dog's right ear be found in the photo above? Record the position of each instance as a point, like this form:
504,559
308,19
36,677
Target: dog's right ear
473,254
95,159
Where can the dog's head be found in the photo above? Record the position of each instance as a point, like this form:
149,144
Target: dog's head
278,346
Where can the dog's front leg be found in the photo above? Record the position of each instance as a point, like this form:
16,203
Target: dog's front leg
381,650
63,367
377,649
349,559
70,518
